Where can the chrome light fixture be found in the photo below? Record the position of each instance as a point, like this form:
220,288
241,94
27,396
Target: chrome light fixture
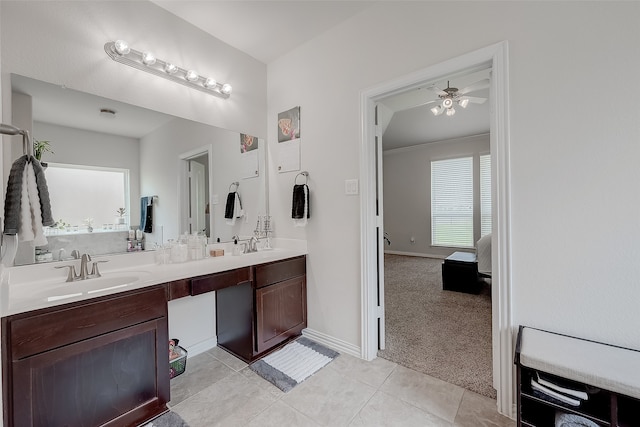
121,52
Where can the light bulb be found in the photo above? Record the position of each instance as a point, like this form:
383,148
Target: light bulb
447,103
170,68
436,110
122,47
148,58
451,111
464,102
226,88
191,75
210,83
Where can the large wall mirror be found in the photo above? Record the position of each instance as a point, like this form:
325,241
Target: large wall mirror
109,162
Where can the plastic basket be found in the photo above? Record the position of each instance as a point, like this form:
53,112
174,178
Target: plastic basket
179,365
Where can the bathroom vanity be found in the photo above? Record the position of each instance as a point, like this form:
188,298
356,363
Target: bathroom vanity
100,359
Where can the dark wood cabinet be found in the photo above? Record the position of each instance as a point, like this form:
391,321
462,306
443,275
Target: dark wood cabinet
280,312
100,362
254,317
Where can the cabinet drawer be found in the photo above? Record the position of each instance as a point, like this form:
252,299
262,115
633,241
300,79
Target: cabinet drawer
277,271
179,289
217,281
52,328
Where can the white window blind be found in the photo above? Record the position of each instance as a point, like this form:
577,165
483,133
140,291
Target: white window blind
452,202
485,195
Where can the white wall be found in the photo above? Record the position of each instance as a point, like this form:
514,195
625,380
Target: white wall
574,150
407,192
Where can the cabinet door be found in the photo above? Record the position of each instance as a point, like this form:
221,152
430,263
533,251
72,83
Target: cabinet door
281,312
119,378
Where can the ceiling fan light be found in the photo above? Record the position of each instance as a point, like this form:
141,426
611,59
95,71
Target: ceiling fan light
436,110
447,103
464,102
451,111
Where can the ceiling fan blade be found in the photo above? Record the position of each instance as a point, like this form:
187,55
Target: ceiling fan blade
482,84
475,99
437,90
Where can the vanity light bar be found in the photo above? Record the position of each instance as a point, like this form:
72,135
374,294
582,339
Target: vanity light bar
121,52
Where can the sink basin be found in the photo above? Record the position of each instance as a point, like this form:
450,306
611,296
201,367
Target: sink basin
53,290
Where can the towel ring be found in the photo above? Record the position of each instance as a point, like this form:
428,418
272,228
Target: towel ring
236,183
306,177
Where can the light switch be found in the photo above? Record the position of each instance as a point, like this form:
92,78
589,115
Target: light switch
214,199
351,187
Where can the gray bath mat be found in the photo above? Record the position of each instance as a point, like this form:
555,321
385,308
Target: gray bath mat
293,363
170,419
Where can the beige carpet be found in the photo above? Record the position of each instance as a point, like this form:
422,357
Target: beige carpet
441,333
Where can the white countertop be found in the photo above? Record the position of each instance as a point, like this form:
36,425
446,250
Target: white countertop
37,286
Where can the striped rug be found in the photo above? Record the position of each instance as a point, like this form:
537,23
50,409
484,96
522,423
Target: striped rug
293,363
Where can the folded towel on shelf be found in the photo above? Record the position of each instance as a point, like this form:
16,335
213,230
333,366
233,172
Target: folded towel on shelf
146,214
233,208
300,205
572,420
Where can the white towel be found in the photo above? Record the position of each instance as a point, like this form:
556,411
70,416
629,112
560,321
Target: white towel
30,213
36,211
25,232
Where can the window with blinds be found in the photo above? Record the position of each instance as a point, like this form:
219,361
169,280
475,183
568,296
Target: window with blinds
485,194
452,202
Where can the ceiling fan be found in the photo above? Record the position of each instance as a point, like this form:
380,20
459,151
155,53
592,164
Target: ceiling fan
452,96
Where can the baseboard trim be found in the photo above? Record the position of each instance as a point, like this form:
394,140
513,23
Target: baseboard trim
415,254
201,347
331,342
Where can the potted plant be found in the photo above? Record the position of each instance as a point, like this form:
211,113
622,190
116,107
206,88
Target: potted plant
121,212
41,147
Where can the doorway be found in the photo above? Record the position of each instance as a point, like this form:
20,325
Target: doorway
194,189
495,57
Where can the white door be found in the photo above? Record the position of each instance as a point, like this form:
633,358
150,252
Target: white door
197,201
379,232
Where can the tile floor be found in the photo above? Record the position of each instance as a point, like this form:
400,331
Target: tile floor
218,389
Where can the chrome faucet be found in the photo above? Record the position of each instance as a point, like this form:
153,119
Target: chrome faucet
252,246
83,266
84,274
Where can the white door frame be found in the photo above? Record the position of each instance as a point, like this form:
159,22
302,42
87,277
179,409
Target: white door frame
503,331
183,184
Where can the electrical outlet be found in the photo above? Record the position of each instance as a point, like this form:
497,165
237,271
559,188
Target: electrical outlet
351,187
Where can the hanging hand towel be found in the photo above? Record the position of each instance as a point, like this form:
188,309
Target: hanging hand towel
300,205
13,197
146,214
25,232
233,208
43,193
35,207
